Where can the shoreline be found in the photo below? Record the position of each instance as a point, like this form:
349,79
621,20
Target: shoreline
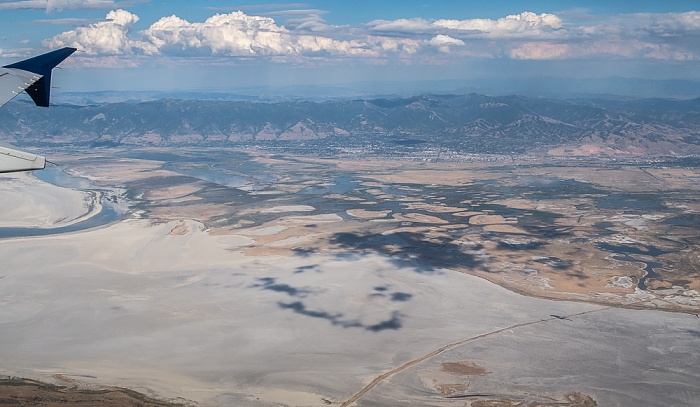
36,204
214,296
197,306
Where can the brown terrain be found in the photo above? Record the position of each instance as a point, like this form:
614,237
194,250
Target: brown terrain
621,236
25,392
545,230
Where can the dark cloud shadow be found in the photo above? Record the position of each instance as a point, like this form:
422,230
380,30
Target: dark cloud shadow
270,284
304,252
555,262
303,269
300,308
401,297
693,332
422,253
393,323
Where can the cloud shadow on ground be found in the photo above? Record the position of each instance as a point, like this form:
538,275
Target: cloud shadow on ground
271,284
336,319
411,250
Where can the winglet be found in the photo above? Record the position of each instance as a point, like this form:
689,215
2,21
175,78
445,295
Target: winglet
40,91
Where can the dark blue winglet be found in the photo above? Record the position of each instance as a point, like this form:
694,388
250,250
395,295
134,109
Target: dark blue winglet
40,91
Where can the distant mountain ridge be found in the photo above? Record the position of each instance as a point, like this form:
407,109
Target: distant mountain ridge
467,123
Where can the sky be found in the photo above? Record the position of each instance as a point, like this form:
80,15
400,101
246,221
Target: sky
213,45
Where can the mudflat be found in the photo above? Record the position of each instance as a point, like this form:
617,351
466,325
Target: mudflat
329,282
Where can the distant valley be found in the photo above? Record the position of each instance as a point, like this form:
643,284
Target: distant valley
455,124
432,250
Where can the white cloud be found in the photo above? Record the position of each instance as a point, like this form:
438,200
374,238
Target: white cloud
668,24
234,34
669,36
238,34
308,44
310,22
122,17
444,43
110,37
24,5
440,40
672,36
401,46
517,25
415,25
617,49
540,50
58,5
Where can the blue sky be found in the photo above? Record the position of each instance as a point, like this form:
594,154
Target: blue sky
219,45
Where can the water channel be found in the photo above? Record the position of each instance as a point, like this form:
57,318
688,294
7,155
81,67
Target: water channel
109,213
626,252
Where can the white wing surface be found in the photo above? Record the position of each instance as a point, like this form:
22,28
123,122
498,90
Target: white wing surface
15,81
12,160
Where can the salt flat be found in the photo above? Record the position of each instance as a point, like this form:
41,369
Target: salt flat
25,202
172,311
180,315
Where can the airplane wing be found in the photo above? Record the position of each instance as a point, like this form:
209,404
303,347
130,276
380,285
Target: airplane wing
32,76
13,82
13,160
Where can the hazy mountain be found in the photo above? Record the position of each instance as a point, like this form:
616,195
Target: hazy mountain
466,123
538,87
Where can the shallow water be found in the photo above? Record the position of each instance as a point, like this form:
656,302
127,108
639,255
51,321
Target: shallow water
59,178
625,252
108,214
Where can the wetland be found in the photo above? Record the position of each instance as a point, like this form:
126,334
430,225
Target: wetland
561,230
248,277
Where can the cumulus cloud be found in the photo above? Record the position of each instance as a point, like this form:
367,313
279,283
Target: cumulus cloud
670,36
444,42
234,34
665,36
110,37
402,46
547,36
440,40
517,25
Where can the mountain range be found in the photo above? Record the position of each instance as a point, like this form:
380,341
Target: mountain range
469,123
